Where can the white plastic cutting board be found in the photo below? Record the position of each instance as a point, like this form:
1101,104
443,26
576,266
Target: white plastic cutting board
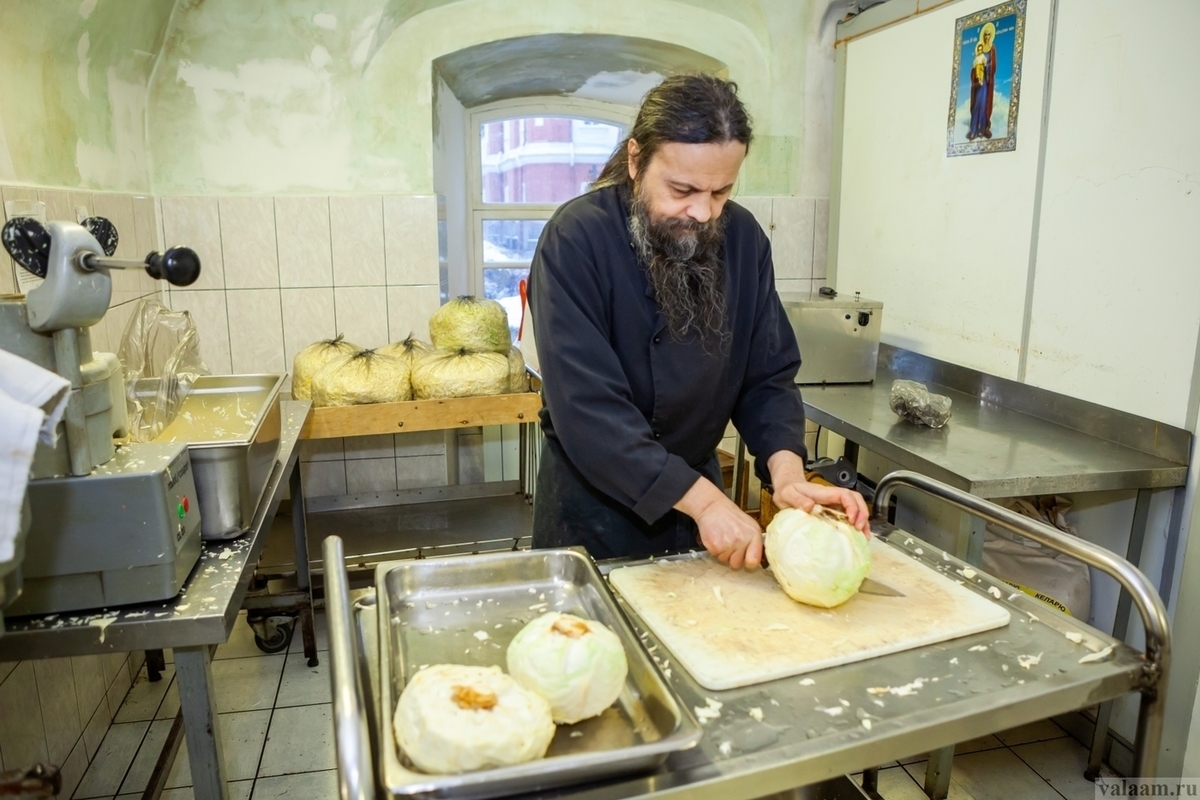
754,632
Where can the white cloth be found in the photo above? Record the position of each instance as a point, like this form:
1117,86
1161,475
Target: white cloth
32,401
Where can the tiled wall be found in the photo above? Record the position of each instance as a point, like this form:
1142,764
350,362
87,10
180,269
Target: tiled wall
57,710
798,228
280,273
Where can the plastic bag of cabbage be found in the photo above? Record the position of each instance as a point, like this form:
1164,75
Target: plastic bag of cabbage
409,351
365,377
459,373
309,361
470,324
819,559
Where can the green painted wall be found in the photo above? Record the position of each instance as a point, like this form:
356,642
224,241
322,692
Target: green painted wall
73,99
315,96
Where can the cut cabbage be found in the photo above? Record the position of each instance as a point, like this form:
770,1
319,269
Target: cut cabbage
457,373
365,377
820,558
310,360
577,664
454,718
518,378
468,323
407,351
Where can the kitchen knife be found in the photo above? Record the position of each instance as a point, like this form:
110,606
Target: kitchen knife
868,586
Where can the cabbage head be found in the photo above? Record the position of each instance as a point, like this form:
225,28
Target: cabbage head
455,718
468,323
457,373
577,664
310,360
820,558
365,377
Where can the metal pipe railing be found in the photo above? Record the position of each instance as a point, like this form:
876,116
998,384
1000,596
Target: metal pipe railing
356,773
1150,606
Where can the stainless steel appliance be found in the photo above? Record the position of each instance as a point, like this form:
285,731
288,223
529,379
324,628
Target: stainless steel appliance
838,336
108,524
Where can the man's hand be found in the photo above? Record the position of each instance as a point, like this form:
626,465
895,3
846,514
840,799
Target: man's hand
792,490
725,530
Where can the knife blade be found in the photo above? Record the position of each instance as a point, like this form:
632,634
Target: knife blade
869,586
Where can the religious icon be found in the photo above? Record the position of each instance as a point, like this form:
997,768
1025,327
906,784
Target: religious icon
984,94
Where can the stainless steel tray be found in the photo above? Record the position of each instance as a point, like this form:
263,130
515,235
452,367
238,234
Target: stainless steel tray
429,613
231,472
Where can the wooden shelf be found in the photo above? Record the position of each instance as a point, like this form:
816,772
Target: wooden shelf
421,415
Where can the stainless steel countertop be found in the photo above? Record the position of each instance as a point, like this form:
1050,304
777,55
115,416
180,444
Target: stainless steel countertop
924,699
203,613
987,449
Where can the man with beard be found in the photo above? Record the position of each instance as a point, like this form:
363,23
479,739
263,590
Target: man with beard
654,306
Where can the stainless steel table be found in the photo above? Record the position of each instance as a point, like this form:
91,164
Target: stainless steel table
842,719
1009,439
192,624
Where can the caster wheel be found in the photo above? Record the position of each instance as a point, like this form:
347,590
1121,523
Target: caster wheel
273,634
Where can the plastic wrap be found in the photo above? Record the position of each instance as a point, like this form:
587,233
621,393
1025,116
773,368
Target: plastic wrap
309,361
518,378
472,324
163,347
913,402
409,351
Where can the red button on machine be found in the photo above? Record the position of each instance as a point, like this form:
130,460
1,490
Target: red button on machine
186,507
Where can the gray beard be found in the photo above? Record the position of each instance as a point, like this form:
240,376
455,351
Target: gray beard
684,265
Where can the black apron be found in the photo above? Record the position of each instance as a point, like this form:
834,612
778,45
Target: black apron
568,511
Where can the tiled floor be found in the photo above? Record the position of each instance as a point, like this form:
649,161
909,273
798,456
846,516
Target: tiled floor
275,721
278,735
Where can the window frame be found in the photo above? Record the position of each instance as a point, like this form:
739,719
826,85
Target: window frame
477,209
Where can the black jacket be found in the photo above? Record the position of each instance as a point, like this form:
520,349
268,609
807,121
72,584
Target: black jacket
635,411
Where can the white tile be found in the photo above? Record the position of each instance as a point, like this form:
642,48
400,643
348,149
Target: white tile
300,740
118,209
143,763
120,683
145,697
988,742
1038,731
377,446
212,324
371,475
1061,763
792,241
422,443
409,309
73,769
321,450
195,222
59,706
89,685
793,286
170,703
356,232
410,237
247,684
6,669
58,205
242,736
255,331
302,233
241,641
896,784
135,662
324,478
322,632
916,771
146,227
999,775
96,728
248,243
238,790
303,786
82,206
760,207
419,472
22,737
307,317
303,685
362,315
821,239
107,770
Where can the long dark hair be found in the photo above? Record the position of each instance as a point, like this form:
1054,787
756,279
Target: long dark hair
693,109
